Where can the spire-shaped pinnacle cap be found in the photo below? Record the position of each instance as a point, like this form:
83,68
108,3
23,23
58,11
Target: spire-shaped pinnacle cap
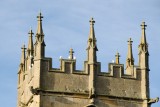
143,44
92,46
143,37
130,59
92,34
23,54
117,57
40,34
92,39
39,28
30,43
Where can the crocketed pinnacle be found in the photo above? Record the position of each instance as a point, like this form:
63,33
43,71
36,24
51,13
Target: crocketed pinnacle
39,34
143,44
39,28
92,47
92,39
130,59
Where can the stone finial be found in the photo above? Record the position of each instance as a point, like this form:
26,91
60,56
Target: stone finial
143,44
39,51
143,37
92,39
30,48
40,33
71,53
23,57
143,25
130,59
92,21
23,54
40,16
92,33
92,47
117,57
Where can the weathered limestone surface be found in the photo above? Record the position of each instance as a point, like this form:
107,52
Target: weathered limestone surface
63,101
118,87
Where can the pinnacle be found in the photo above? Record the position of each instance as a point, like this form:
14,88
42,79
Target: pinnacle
117,57
39,27
130,59
117,54
92,37
23,54
143,37
71,53
30,43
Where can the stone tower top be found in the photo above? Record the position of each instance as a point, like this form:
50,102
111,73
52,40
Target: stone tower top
42,85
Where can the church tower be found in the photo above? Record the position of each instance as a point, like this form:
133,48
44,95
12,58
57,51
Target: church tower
42,85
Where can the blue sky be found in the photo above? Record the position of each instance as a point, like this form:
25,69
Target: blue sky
66,25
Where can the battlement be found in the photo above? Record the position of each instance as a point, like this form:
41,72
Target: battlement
115,74
114,70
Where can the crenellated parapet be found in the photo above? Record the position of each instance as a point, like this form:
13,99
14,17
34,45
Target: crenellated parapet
68,66
42,85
